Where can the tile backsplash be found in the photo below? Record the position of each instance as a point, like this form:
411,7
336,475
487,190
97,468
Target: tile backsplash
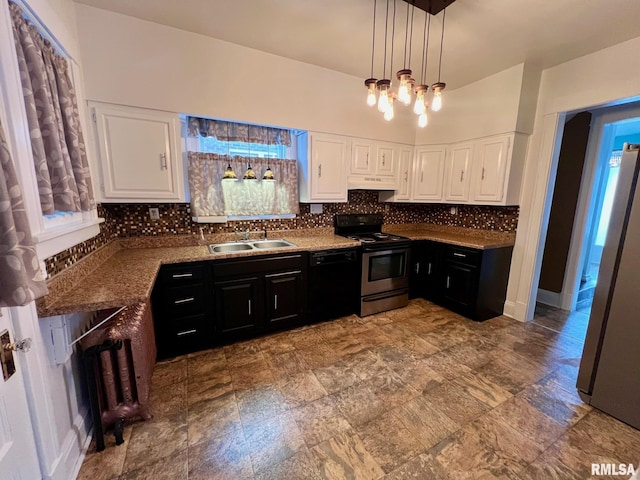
132,220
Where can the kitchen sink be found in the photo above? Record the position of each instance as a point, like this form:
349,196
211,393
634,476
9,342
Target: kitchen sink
245,246
229,247
272,244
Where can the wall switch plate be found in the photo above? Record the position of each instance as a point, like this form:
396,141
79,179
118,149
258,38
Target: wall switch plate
315,208
154,214
453,210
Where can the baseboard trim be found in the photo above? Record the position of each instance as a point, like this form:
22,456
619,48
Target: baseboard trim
552,299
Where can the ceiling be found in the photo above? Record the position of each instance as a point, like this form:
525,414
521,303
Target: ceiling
482,37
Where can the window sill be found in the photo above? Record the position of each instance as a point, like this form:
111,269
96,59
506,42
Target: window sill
58,239
230,218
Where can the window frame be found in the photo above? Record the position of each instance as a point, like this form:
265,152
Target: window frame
49,238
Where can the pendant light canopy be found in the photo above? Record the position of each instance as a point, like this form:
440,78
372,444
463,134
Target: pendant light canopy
383,92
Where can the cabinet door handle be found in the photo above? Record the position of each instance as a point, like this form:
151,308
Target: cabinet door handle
461,175
448,281
456,254
184,300
186,332
367,160
418,267
320,171
275,302
421,176
249,306
163,161
406,176
482,173
429,269
182,275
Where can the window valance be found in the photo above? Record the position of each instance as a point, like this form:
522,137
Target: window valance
238,132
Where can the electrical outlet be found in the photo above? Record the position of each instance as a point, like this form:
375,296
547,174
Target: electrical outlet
453,210
154,214
315,208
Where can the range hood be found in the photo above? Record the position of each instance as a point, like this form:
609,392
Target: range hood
357,182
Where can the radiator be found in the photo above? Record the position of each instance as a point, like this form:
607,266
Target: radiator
119,357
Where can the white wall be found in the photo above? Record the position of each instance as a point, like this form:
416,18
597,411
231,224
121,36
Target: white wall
605,77
134,62
487,107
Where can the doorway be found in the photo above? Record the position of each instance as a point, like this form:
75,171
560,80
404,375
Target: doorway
587,172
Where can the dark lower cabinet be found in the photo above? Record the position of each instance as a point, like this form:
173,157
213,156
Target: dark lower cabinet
469,281
236,304
255,295
425,259
284,299
183,309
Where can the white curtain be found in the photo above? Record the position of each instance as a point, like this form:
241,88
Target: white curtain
211,195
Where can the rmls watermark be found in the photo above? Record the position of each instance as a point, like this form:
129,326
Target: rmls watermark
610,469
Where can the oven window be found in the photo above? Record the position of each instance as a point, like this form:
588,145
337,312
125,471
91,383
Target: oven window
386,266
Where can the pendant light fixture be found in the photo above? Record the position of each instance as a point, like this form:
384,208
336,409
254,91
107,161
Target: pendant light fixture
249,174
370,82
420,106
439,86
384,85
404,75
268,173
229,174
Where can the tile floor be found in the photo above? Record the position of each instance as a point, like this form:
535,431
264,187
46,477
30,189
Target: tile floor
414,393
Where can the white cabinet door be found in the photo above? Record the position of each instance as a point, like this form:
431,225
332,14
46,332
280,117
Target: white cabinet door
429,173
328,154
459,161
18,455
386,160
489,170
362,160
404,172
139,154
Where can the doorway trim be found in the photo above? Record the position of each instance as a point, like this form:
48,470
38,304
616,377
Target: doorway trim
587,198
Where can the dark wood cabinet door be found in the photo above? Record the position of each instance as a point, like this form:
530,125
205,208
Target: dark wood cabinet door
459,284
238,310
424,267
284,299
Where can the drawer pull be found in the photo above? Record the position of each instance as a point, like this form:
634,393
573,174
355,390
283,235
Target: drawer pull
186,332
456,254
182,275
184,300
448,281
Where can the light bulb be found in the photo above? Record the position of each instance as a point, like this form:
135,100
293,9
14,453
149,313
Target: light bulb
418,107
403,93
383,101
371,98
423,120
436,105
388,115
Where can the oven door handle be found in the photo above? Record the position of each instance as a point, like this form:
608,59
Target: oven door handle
378,253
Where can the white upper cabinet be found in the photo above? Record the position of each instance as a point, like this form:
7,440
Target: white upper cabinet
490,165
139,154
362,157
428,173
460,157
405,165
386,159
323,170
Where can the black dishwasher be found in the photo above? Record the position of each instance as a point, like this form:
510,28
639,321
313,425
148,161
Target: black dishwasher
334,284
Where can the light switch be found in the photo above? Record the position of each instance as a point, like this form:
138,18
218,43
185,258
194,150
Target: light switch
315,208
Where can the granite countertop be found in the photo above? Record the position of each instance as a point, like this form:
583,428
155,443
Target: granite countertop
124,272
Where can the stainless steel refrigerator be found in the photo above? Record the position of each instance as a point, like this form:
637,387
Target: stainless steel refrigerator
609,375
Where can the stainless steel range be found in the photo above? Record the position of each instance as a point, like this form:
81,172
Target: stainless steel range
385,262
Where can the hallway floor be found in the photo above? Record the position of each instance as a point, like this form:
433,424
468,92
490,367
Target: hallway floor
418,392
